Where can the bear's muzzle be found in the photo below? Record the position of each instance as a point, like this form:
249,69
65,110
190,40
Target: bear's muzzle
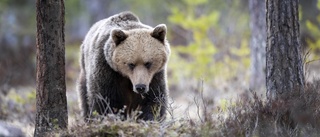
141,88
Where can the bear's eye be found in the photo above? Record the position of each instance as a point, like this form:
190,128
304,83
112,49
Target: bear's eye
148,65
131,66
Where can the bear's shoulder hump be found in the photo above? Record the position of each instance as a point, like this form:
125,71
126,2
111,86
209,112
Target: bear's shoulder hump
127,16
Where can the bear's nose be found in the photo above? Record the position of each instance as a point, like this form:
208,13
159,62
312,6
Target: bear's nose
141,88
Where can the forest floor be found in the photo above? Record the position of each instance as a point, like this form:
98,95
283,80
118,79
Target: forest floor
185,104
195,109
18,107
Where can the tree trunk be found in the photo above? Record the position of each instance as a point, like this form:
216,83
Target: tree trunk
284,57
51,88
257,44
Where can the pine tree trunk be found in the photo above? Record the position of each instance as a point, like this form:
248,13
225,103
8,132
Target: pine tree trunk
51,88
258,44
284,57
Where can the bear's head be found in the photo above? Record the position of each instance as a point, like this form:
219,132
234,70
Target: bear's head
138,54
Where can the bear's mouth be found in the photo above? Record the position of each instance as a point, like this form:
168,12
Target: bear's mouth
142,95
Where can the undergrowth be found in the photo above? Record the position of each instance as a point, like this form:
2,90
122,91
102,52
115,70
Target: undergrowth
251,115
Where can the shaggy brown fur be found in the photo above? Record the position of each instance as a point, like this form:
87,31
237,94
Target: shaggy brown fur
123,63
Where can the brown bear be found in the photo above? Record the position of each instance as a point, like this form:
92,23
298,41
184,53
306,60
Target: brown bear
123,67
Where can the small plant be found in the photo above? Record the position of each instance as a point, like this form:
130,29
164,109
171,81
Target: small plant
314,44
201,58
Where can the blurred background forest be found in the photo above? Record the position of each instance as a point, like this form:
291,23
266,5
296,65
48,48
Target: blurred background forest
209,42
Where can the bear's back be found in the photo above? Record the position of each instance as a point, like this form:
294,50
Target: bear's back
124,20
99,33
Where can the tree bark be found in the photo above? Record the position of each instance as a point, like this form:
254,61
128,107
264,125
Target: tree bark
258,44
284,57
51,88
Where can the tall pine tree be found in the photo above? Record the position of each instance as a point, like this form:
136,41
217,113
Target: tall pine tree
51,87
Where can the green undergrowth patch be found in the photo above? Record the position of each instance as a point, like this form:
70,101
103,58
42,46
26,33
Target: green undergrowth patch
18,105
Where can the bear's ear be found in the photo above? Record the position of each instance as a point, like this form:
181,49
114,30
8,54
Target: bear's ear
118,36
159,32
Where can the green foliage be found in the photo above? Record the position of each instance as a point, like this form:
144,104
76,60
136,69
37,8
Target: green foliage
55,123
201,50
314,30
22,99
197,59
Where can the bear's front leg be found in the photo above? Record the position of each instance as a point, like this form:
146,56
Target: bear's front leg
154,107
153,112
99,86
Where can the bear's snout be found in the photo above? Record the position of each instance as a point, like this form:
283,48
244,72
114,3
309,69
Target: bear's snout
141,88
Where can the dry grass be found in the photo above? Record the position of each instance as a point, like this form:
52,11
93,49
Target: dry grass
296,115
